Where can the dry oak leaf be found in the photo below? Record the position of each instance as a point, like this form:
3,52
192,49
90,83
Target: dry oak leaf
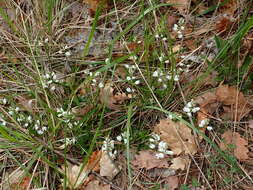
95,3
177,135
241,150
172,182
95,185
107,167
77,175
147,159
112,100
180,163
230,96
180,5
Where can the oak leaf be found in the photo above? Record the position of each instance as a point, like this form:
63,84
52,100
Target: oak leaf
77,175
179,163
172,182
177,135
112,100
147,159
180,5
95,185
107,167
238,104
240,150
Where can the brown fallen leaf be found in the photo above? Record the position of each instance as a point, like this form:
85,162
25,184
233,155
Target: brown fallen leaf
11,180
95,3
241,150
76,175
177,135
171,182
112,100
229,7
180,163
147,159
96,185
230,96
180,5
27,104
107,166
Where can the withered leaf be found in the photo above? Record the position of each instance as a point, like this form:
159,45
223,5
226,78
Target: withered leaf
177,135
172,182
179,163
96,185
230,96
147,159
77,175
180,5
112,100
95,3
240,150
107,167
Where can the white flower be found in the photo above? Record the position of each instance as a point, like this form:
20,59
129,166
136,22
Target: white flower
129,90
155,74
175,27
164,39
44,128
196,109
127,66
189,104
17,109
4,101
165,86
152,146
3,123
68,53
169,152
209,128
159,155
26,125
151,140
160,80
180,36
94,80
40,132
203,122
119,138
100,85
167,61
170,116
182,28
186,110
155,136
137,82
128,78
162,146
176,78
156,36
139,42
107,60
168,77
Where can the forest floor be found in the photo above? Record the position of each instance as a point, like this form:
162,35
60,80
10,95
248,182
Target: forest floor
126,94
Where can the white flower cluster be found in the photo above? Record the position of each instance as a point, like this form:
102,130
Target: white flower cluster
179,28
164,77
190,108
108,146
162,147
204,123
122,137
65,49
39,128
161,36
48,79
67,142
66,116
95,78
